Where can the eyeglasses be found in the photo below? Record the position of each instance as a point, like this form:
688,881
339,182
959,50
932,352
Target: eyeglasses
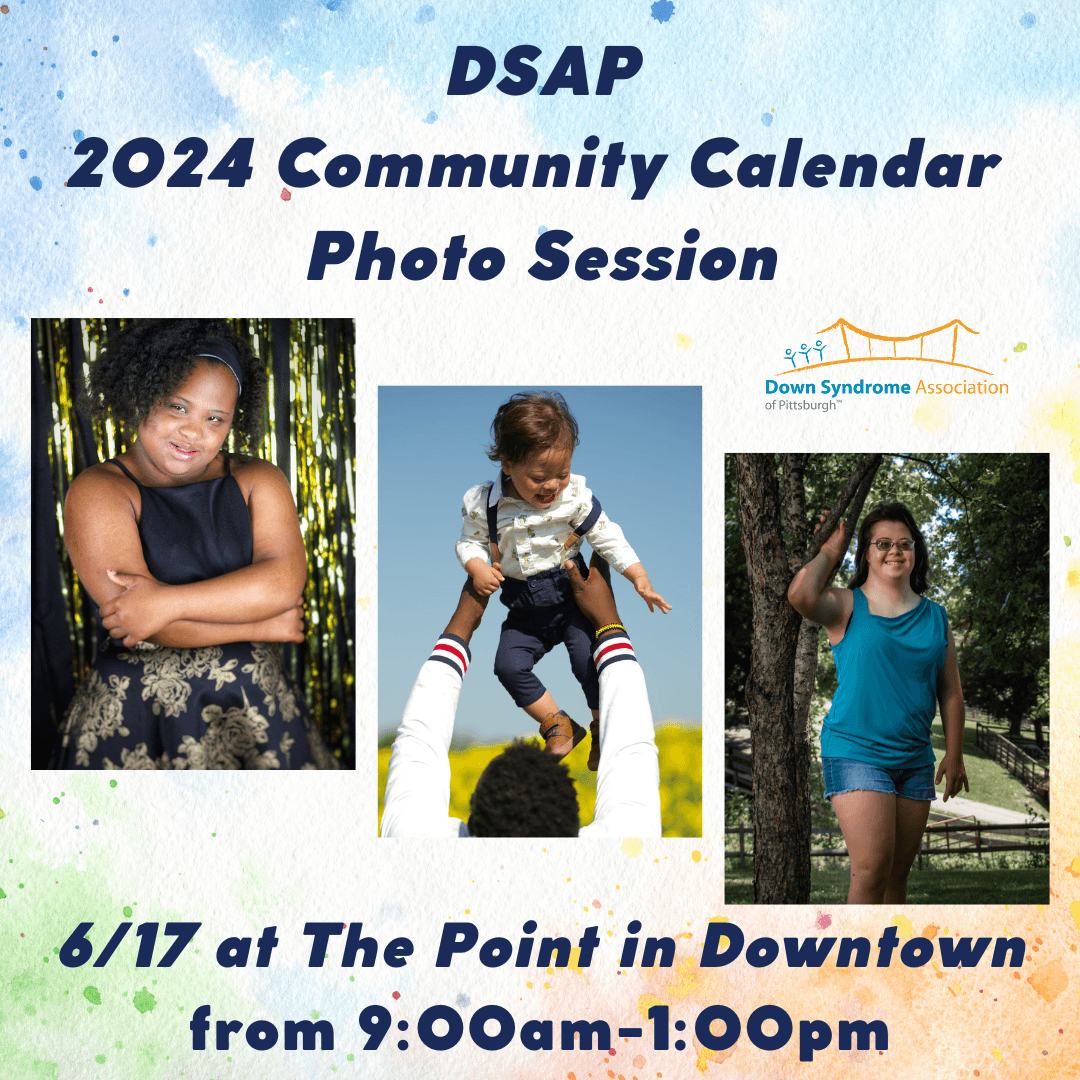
887,545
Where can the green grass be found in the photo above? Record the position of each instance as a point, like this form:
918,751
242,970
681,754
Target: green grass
946,886
990,782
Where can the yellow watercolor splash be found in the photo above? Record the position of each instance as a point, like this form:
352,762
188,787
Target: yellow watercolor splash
631,847
1049,980
903,926
1074,911
1072,575
683,342
1064,416
363,601
932,416
696,856
1074,868
998,1056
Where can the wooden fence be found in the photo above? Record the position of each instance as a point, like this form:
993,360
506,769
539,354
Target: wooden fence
956,836
1034,775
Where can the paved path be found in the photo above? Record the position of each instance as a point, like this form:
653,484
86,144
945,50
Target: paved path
992,815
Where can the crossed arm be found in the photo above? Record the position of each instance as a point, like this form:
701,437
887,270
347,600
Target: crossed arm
260,602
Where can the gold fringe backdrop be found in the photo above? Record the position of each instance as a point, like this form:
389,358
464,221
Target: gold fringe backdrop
310,436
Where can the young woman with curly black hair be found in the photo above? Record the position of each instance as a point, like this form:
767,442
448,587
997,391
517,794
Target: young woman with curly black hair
194,559
895,664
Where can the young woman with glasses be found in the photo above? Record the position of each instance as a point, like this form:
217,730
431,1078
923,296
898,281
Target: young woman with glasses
895,664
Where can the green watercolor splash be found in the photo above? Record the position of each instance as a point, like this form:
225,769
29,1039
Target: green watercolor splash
144,1001
127,913
92,994
1020,346
1068,541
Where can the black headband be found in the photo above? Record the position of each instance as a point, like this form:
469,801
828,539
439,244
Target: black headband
219,349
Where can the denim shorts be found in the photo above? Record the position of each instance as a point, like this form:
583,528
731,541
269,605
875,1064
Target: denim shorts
844,774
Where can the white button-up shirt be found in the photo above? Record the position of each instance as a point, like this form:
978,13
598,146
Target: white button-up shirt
532,540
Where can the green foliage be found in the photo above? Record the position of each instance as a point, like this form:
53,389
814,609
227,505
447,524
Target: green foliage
1002,539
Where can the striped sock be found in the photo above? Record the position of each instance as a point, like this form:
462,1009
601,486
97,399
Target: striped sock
450,649
611,648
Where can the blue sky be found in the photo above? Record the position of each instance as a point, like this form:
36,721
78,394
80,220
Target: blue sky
640,453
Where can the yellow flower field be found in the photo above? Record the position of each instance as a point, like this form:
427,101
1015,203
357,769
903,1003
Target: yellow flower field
680,778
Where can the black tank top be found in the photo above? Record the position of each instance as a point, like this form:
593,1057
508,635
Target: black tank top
195,531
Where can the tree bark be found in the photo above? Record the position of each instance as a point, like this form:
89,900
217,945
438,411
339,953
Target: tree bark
781,834
779,737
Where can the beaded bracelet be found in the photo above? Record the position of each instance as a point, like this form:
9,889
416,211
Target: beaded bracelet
610,626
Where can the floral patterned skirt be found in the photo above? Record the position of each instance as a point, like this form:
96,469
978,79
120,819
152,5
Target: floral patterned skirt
220,707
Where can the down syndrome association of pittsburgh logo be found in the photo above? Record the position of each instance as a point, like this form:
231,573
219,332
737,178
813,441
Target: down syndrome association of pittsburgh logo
791,388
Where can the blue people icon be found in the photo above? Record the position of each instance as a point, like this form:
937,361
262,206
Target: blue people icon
820,348
804,349
789,355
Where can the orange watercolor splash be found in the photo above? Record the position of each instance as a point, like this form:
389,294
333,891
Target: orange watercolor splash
1049,980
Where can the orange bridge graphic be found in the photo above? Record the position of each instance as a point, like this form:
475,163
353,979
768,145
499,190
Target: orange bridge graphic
849,331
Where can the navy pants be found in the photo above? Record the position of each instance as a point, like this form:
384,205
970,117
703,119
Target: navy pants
543,614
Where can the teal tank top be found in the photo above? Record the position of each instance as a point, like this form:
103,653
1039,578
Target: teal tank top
888,671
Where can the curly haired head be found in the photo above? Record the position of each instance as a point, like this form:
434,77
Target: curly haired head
151,357
530,423
524,792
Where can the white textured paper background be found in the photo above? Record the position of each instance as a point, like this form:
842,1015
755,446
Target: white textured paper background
239,853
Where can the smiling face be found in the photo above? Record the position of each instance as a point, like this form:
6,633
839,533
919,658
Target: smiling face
541,478
893,565
184,432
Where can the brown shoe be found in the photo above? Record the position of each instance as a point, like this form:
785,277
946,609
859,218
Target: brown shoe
560,734
594,749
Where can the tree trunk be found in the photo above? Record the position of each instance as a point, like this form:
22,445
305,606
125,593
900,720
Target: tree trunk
781,834
779,737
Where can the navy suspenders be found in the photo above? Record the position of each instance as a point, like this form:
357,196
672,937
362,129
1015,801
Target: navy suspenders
493,527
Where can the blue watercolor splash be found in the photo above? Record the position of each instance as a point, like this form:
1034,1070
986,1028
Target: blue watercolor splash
425,14
332,5
541,230
78,136
7,142
766,119
431,118
127,292
35,182
662,10
116,37
151,240
60,94
93,52
22,154
1027,21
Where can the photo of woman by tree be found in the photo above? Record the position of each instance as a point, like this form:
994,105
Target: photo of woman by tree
946,601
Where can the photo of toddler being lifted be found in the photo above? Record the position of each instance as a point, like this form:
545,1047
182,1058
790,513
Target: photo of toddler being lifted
520,533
